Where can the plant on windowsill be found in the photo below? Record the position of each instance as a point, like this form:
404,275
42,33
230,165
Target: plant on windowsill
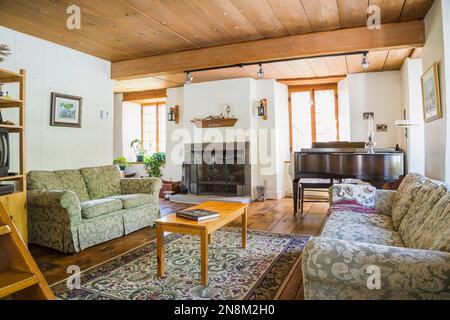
154,163
136,145
121,162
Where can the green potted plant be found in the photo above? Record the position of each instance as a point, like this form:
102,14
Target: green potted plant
136,144
121,162
154,163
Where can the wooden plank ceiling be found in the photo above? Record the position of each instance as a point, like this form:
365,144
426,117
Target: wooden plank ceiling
308,68
118,30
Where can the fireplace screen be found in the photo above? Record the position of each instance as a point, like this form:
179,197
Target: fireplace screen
219,169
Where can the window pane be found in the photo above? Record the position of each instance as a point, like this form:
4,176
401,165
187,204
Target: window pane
301,120
326,125
153,119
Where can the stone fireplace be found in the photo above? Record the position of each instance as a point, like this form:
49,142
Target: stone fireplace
221,169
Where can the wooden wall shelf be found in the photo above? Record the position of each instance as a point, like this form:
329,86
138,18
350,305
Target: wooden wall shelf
9,77
15,203
10,103
215,123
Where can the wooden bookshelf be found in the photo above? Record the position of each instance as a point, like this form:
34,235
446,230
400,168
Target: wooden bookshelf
7,76
15,203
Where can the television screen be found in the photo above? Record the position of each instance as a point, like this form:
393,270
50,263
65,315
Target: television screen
4,152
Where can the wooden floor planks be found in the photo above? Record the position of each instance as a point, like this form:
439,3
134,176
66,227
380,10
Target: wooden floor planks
272,215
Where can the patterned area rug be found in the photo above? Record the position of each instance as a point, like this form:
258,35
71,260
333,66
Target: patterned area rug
256,273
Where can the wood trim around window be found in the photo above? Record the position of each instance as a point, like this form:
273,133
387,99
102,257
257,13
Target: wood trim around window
311,89
156,105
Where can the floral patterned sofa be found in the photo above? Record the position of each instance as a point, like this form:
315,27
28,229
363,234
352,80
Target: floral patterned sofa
72,210
400,237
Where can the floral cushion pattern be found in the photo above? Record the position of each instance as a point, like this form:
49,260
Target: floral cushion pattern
336,269
343,230
351,208
407,240
355,218
404,197
384,201
95,208
70,180
62,216
353,195
434,232
102,182
130,201
421,208
73,180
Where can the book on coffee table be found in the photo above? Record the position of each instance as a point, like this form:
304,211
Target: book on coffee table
197,214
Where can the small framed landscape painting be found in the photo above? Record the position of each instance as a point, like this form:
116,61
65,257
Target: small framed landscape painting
66,110
431,97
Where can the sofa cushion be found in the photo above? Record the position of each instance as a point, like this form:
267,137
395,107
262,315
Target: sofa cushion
73,181
434,232
426,198
358,218
68,180
343,230
354,195
130,201
44,180
102,182
405,196
95,208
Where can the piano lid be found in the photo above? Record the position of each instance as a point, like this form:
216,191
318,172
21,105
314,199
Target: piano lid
381,151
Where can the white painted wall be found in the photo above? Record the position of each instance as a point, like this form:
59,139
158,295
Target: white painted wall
210,98
445,96
118,126
436,49
381,93
344,110
412,103
131,122
54,68
282,133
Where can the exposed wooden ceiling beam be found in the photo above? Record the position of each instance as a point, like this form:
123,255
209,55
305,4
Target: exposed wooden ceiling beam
144,95
392,35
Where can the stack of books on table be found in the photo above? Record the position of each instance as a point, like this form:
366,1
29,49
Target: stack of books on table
197,214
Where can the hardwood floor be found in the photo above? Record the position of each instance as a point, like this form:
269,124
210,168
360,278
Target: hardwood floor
272,215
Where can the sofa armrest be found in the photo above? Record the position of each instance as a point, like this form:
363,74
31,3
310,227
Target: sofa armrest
384,201
337,269
150,186
57,200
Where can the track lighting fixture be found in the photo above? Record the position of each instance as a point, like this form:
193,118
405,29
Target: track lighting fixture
260,72
365,61
189,78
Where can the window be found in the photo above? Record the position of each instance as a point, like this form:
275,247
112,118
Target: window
313,115
153,124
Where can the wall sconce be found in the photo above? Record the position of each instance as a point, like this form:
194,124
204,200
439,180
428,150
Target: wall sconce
262,109
173,115
406,124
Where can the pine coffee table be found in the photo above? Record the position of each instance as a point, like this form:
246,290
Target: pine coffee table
228,212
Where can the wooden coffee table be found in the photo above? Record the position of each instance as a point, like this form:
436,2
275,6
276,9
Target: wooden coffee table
228,212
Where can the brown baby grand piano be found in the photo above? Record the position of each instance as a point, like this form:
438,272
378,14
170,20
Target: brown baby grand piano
336,164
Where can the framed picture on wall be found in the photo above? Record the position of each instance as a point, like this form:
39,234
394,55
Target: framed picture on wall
65,110
431,96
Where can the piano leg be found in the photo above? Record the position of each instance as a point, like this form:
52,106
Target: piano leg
302,197
295,194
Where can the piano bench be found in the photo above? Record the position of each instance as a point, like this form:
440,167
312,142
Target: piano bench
299,192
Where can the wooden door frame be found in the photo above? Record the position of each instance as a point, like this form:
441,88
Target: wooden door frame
311,89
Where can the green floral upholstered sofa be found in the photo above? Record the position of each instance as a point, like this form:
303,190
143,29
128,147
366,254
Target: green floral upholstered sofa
72,210
382,244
